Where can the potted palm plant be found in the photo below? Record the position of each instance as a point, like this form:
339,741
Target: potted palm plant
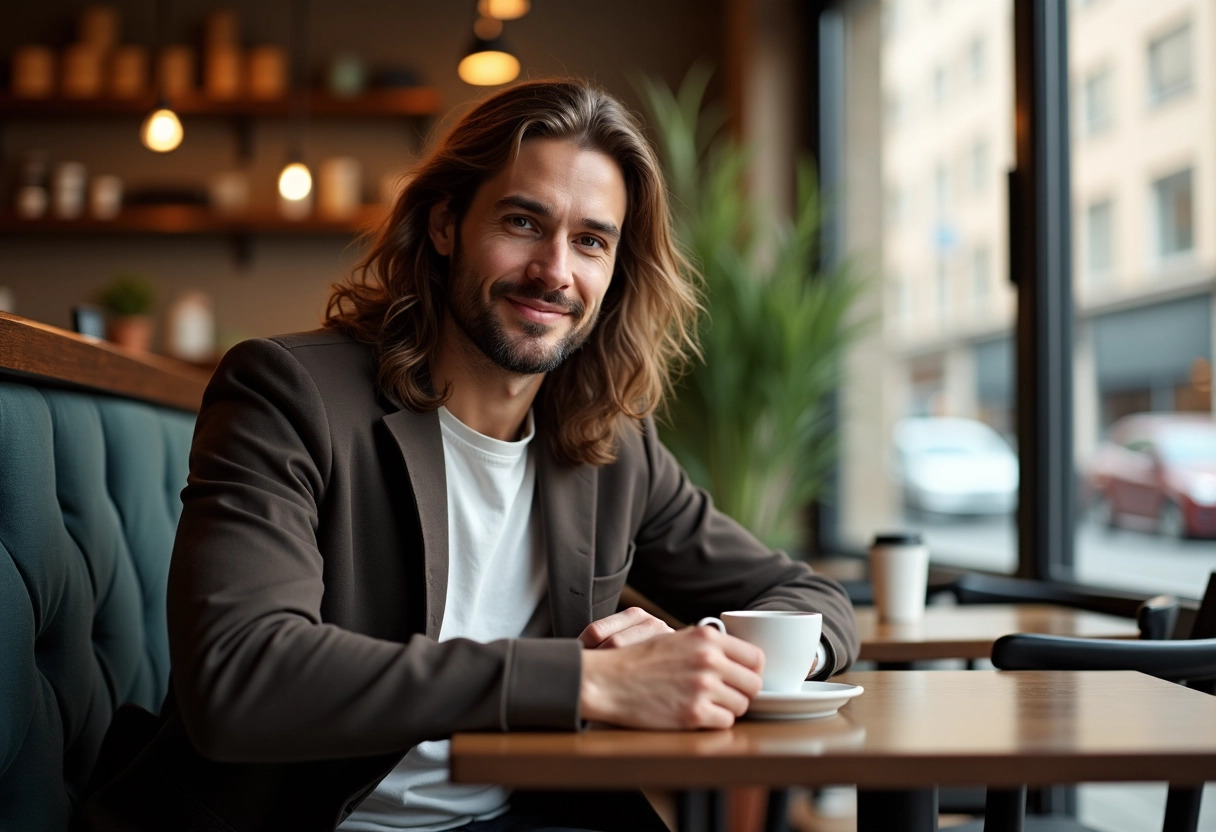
752,421
127,300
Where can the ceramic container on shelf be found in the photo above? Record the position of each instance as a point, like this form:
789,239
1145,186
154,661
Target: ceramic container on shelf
341,187
33,71
190,328
128,71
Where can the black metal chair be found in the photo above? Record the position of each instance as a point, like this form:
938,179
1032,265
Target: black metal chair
1191,661
1156,617
981,588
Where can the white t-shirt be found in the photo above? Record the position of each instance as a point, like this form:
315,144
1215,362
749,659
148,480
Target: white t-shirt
496,578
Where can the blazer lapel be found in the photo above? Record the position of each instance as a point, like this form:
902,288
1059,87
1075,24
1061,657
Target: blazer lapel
566,500
421,444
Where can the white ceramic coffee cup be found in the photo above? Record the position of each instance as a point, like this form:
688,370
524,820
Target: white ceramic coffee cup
899,572
789,641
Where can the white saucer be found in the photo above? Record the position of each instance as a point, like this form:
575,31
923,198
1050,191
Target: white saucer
815,700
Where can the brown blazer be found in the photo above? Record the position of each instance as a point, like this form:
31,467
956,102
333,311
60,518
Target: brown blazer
308,582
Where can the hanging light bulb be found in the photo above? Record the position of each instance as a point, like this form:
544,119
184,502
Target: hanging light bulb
161,130
295,181
488,63
487,28
503,9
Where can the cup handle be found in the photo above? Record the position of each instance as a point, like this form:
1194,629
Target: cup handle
710,621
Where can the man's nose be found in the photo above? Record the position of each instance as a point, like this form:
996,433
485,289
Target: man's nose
550,263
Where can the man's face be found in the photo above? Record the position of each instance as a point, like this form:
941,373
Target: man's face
533,255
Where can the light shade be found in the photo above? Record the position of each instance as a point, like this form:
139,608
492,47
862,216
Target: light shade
295,182
161,130
503,9
488,64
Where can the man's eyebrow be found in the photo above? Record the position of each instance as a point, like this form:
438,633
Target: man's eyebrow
608,229
524,203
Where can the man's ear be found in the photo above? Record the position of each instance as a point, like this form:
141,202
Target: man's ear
441,225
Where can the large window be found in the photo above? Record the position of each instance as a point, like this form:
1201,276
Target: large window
928,410
1143,303
928,413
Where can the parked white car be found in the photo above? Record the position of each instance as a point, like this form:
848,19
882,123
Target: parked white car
954,466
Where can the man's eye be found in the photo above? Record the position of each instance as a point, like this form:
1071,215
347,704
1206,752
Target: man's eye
591,242
520,222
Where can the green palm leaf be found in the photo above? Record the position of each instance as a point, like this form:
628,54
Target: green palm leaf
751,422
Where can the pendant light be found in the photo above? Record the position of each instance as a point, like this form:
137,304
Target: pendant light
161,130
295,180
488,62
503,9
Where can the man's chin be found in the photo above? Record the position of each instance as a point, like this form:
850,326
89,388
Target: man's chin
530,359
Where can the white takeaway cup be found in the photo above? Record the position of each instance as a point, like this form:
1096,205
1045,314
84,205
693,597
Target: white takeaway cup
899,573
788,639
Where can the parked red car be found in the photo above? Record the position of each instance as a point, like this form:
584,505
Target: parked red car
1157,471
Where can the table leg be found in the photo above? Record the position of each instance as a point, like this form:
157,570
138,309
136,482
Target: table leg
701,810
1005,810
777,811
908,810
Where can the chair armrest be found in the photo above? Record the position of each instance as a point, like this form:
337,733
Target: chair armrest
1157,617
1175,661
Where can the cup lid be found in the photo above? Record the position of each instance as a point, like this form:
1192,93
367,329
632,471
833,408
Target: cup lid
898,539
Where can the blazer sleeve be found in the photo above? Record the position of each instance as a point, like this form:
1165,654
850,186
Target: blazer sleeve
693,561
258,675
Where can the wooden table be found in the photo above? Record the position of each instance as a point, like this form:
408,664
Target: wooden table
910,730
967,631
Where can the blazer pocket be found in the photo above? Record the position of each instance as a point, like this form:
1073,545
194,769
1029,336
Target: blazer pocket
606,589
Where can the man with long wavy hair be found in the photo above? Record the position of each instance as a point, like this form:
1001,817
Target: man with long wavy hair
419,519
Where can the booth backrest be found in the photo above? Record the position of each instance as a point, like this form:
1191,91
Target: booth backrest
89,501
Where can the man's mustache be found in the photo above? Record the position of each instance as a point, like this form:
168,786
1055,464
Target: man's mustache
571,306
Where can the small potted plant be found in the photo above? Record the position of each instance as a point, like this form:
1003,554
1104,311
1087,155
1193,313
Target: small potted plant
127,301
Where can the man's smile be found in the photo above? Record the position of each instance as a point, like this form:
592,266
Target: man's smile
537,311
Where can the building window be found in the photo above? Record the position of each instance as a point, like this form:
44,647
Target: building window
1099,101
893,17
905,310
977,61
1169,65
894,206
980,169
980,280
1174,204
1099,227
943,289
941,191
906,302
893,107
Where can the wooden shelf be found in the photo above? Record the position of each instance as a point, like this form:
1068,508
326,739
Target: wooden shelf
375,103
187,219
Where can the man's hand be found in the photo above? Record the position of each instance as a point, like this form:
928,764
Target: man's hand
631,626
693,678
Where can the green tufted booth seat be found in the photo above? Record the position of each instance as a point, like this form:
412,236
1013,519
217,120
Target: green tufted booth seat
89,502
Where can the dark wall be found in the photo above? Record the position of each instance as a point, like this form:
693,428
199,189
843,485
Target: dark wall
285,282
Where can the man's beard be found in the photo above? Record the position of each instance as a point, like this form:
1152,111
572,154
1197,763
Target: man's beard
526,353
